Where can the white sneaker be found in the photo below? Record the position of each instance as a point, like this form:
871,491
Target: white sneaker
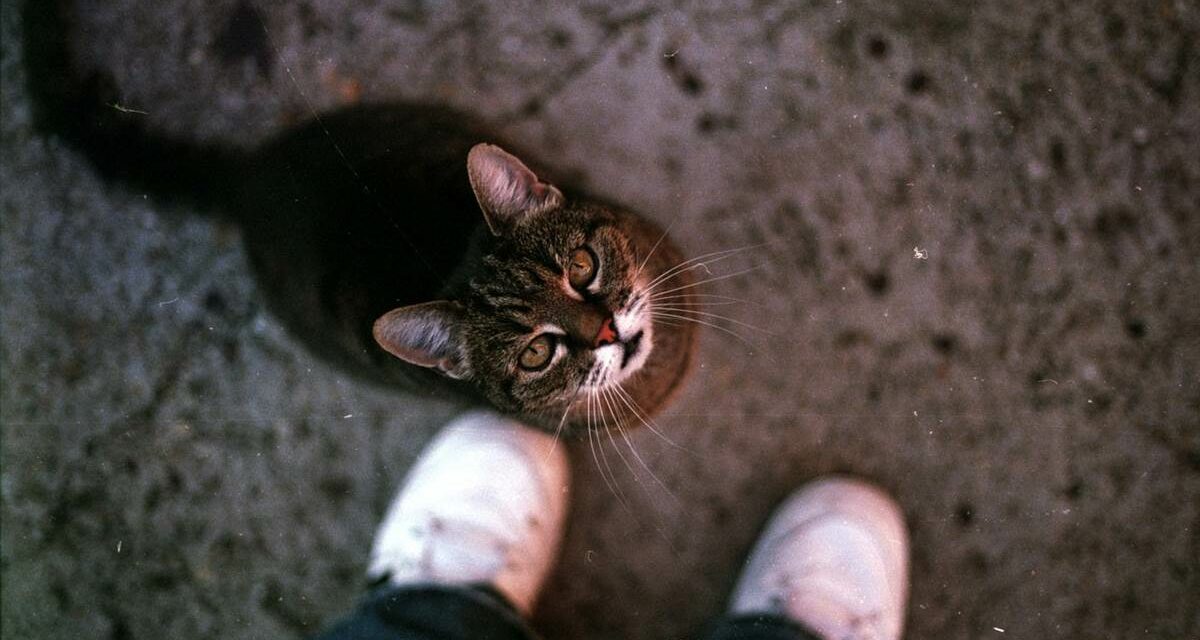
484,504
833,558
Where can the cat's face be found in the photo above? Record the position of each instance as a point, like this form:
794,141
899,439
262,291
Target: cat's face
559,316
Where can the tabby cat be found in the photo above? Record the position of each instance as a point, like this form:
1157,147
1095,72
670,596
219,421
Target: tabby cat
394,241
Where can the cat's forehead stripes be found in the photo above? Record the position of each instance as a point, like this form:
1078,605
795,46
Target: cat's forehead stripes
512,279
505,320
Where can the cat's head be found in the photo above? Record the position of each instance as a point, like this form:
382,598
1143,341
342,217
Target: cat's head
557,321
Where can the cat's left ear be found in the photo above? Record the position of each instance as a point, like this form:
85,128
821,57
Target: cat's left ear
507,191
427,335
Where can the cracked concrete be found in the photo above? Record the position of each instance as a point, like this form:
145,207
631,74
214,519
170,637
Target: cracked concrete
176,465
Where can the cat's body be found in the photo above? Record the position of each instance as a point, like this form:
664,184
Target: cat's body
408,229
359,217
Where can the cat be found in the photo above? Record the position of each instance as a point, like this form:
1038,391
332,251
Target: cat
403,243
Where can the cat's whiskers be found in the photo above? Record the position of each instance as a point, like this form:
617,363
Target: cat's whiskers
673,316
652,250
714,296
609,397
709,280
602,424
638,307
685,303
562,423
671,307
692,264
603,398
711,257
592,440
699,300
658,525
676,308
597,377
648,422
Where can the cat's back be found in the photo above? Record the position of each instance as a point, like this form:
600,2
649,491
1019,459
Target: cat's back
356,212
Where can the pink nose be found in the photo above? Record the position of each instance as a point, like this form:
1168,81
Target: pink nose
606,335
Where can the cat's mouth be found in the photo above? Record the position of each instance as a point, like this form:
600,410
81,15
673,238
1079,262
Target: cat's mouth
626,355
632,346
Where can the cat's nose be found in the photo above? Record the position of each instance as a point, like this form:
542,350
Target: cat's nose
606,335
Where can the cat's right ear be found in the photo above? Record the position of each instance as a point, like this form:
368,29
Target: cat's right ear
427,335
507,191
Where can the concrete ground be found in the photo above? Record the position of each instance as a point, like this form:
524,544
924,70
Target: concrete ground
978,256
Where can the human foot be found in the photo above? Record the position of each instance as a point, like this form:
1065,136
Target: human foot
484,504
833,558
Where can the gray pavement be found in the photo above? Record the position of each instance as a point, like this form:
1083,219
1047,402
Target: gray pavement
978,265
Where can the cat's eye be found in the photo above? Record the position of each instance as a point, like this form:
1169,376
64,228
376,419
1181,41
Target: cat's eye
536,355
581,269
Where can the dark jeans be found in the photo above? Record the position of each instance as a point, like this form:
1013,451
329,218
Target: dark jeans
459,613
